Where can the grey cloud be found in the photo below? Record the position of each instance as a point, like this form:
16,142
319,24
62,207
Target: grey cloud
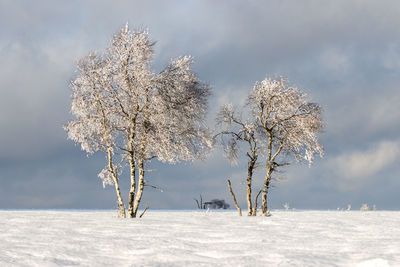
344,54
33,104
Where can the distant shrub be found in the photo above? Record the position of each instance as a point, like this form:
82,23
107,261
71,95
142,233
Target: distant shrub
364,207
286,206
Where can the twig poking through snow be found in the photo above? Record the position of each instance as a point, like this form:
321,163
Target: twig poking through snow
143,211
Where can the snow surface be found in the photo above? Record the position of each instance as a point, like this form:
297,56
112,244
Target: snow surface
198,238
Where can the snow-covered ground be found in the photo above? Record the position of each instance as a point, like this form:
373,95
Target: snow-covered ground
197,238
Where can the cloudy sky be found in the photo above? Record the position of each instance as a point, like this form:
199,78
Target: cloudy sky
344,54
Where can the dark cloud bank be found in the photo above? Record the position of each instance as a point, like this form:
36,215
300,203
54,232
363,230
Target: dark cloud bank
344,54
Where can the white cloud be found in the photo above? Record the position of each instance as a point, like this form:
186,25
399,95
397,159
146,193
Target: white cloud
366,163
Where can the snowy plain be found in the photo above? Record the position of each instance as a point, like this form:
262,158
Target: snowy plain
199,238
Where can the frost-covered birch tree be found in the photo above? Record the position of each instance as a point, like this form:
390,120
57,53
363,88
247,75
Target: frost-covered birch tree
161,115
288,125
94,124
281,124
155,115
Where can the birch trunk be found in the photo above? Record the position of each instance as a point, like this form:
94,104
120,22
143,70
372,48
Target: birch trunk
121,206
133,184
141,158
140,186
265,194
255,203
267,176
249,178
234,198
132,165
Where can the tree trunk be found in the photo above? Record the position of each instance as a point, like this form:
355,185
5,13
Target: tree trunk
132,164
267,176
255,203
265,195
121,206
141,156
133,184
249,177
234,198
140,187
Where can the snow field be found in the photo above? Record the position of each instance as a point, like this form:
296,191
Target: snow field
198,238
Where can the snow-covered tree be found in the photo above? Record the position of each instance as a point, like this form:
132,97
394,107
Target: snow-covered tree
280,123
154,115
288,125
94,125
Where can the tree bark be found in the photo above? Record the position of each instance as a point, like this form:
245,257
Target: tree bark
234,198
249,178
265,195
121,206
141,157
132,164
133,184
255,203
267,176
140,186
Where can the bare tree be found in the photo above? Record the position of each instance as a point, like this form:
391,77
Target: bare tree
199,203
280,124
153,116
287,123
